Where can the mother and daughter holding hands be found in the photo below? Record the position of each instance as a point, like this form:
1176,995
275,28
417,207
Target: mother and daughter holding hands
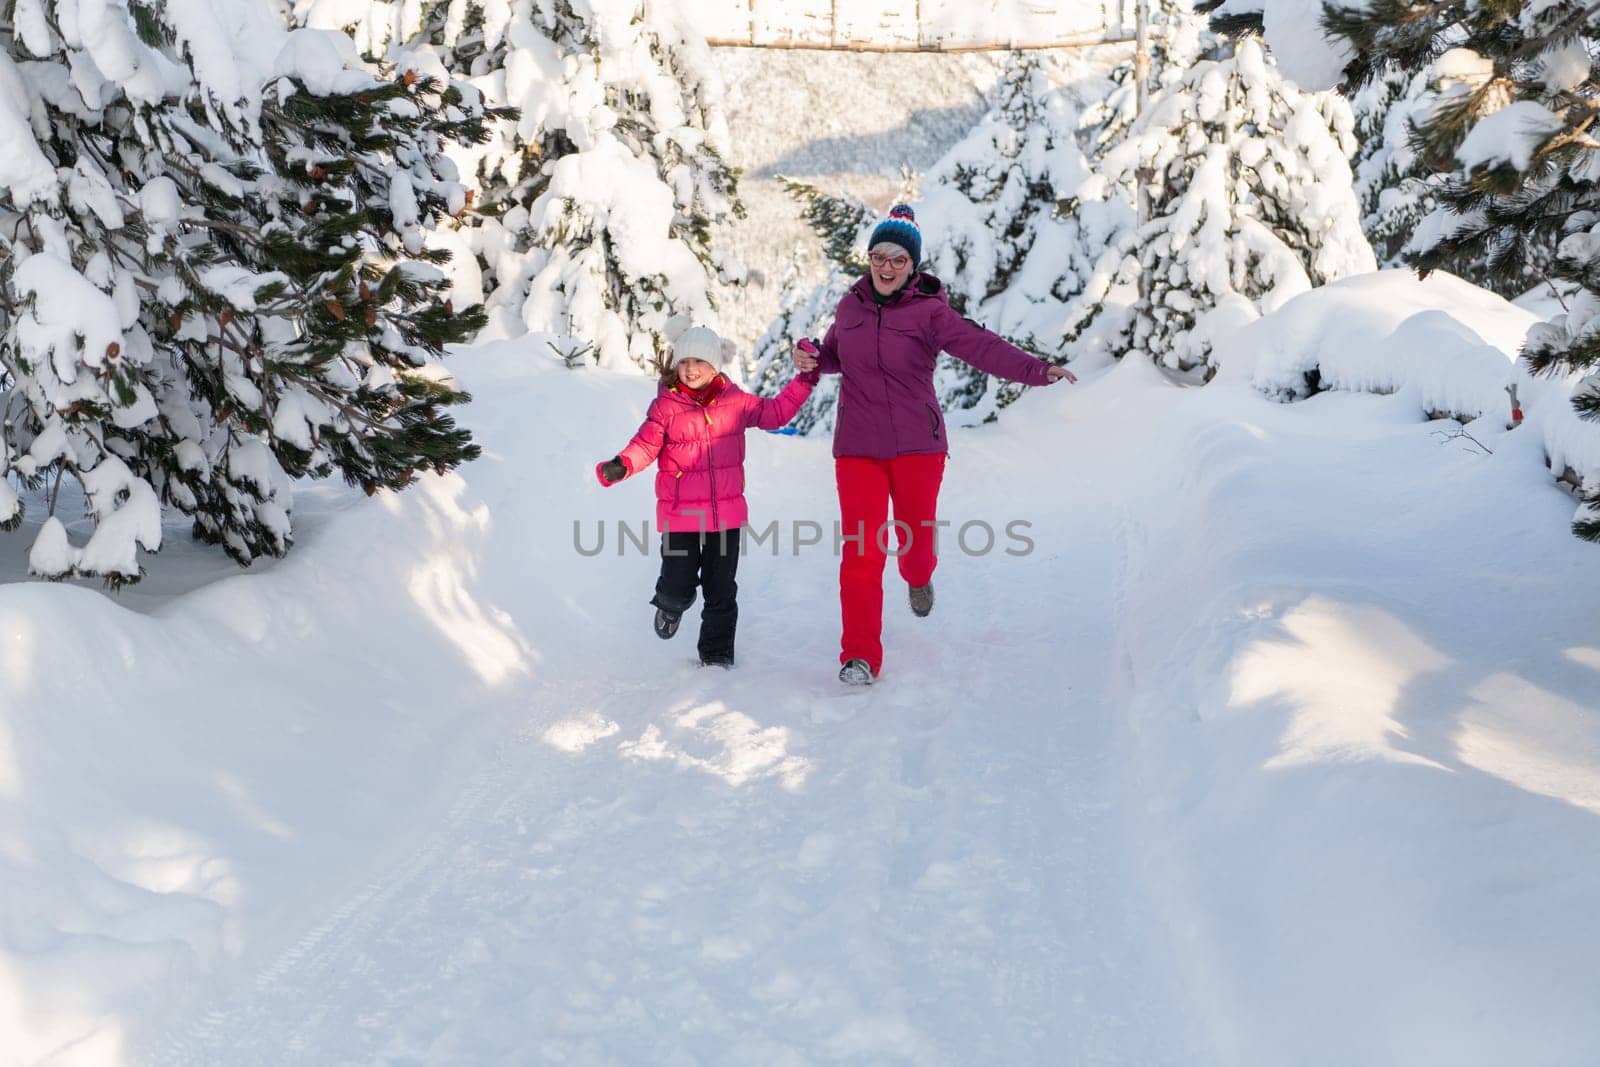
889,447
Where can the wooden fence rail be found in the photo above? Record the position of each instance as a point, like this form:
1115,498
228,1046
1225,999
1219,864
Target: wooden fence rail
915,25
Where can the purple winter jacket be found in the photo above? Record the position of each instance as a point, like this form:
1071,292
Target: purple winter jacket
887,406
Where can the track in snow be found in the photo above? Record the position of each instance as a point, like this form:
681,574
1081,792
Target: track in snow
756,867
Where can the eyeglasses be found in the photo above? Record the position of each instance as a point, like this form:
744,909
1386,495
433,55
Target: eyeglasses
878,259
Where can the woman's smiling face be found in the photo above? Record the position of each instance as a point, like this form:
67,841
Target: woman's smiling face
891,266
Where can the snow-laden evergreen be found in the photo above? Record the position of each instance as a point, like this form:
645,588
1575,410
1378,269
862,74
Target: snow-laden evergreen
1399,189
1396,191
1004,230
215,274
1251,203
597,203
1510,136
842,224
1176,39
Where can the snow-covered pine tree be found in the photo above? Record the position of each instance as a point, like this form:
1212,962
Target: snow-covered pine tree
1176,39
1004,230
842,223
1396,192
1511,132
1252,202
596,206
192,318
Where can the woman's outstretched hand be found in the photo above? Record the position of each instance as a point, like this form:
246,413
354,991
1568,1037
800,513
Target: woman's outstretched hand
805,356
611,471
1055,374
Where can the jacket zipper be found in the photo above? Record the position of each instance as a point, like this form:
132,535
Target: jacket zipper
711,472
934,415
888,405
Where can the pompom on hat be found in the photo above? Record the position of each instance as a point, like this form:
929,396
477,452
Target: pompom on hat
697,342
899,228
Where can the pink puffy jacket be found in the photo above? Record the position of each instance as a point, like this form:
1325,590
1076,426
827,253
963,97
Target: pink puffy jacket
700,452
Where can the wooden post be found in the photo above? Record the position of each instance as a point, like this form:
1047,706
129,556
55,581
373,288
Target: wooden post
1141,55
1141,89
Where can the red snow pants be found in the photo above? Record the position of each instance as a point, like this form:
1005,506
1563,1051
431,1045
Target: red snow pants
866,488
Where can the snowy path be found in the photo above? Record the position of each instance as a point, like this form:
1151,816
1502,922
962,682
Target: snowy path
753,867
1279,748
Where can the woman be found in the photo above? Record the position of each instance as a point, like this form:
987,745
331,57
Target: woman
889,440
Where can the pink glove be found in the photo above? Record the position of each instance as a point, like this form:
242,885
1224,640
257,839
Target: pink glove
807,347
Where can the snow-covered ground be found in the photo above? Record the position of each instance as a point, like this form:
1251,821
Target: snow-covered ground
1279,746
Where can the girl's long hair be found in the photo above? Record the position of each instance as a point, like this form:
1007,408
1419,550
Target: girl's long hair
665,371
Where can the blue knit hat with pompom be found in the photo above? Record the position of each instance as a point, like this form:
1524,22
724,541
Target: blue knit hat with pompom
900,228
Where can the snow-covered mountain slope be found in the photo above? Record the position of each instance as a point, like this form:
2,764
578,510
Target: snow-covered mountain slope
1278,746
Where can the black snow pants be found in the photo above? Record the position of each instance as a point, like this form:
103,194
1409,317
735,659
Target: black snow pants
710,562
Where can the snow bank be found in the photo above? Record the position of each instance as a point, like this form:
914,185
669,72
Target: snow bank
1448,347
179,769
1361,705
1380,333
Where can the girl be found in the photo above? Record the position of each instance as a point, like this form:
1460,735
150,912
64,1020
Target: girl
695,427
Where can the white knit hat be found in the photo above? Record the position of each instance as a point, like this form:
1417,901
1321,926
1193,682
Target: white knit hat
697,342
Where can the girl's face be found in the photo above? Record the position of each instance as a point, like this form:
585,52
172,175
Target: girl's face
695,372
891,266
